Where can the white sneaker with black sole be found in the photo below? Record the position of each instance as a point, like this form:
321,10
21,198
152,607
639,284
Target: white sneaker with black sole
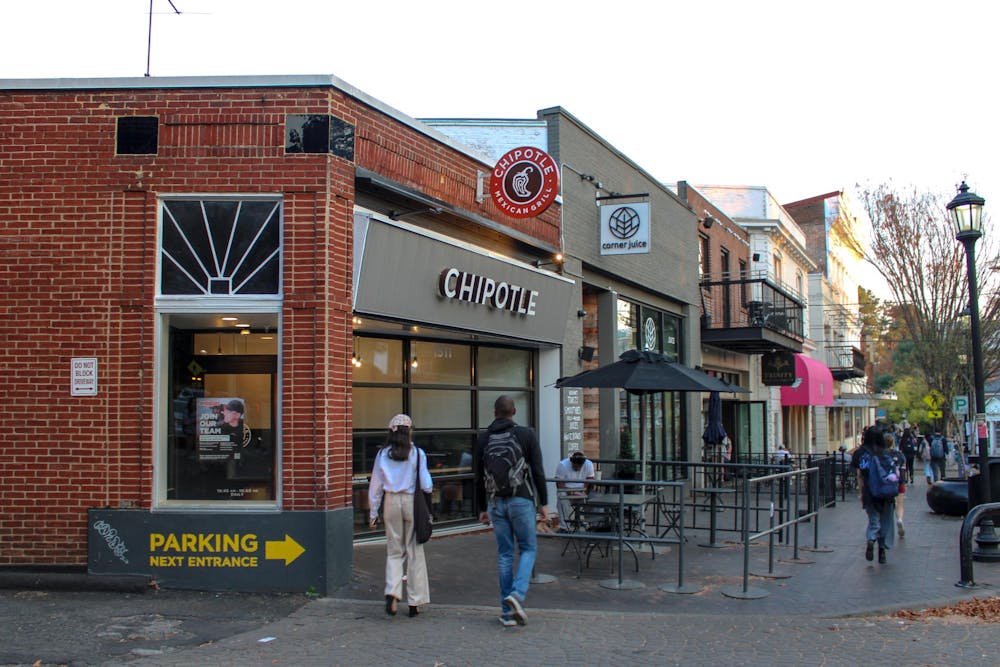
517,611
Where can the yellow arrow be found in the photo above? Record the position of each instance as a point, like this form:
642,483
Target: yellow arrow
286,550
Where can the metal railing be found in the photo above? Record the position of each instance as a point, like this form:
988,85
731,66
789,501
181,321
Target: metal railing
751,302
777,525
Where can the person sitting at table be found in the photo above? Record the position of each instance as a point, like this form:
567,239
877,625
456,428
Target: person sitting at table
576,469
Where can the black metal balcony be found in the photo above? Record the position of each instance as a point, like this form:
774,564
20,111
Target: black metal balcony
845,362
751,316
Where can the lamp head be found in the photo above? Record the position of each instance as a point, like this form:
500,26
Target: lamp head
966,211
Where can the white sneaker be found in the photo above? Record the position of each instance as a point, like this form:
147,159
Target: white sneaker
517,611
899,528
507,622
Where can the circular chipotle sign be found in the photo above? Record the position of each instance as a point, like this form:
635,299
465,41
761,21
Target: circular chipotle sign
525,182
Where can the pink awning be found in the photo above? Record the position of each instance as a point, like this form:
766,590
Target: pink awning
813,384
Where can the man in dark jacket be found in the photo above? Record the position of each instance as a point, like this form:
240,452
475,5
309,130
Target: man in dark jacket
512,513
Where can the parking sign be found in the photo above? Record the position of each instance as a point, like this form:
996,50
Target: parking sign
960,405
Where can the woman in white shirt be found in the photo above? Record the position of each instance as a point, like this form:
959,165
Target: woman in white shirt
396,473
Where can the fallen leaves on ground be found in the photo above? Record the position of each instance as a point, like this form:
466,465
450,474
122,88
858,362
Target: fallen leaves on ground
985,609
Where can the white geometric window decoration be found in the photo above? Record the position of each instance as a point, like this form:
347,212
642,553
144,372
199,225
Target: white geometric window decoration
649,337
220,247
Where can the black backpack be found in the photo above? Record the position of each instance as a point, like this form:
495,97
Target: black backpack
504,467
908,447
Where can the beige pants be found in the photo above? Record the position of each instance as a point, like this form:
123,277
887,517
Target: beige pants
403,553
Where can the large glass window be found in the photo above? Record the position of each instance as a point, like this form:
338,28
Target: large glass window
644,328
449,389
222,412
219,299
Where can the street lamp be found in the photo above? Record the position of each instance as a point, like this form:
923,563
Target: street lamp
967,214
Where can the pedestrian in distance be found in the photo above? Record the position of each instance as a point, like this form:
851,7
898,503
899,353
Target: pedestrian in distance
399,468
908,446
924,456
509,481
881,511
937,447
899,460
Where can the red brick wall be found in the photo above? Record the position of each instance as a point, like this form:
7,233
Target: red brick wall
78,244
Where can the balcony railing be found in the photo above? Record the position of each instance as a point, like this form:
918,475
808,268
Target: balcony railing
845,361
751,315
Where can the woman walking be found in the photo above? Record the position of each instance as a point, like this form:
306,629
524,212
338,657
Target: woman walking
399,468
881,511
899,458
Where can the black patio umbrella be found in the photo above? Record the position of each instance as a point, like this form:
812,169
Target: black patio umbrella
647,372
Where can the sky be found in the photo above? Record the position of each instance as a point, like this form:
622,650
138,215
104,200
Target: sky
801,97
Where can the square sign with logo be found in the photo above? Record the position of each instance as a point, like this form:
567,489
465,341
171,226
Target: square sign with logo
624,229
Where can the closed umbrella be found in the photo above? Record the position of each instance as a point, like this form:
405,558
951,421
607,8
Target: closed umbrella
715,432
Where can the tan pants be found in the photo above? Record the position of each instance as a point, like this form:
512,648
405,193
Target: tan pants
403,552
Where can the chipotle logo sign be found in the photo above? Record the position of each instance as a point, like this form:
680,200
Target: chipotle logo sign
525,182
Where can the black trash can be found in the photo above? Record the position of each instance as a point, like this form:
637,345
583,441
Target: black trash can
975,494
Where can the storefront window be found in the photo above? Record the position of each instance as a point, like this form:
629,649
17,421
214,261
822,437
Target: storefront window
219,299
373,407
440,363
627,327
221,442
449,389
503,367
378,360
441,408
644,328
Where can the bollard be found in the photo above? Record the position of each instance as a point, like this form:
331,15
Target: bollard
965,540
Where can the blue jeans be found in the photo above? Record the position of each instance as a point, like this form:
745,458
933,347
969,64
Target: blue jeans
882,525
514,522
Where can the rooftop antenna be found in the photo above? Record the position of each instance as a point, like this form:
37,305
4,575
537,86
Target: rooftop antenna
149,34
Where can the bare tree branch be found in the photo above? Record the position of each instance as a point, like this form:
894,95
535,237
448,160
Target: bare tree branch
913,247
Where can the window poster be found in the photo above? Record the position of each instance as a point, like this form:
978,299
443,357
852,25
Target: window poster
222,429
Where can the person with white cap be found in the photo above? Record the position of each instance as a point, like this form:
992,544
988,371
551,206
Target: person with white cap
399,468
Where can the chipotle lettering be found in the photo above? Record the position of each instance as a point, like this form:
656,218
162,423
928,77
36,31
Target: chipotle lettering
473,288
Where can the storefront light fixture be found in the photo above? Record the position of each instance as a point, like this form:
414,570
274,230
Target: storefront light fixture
229,318
556,260
413,362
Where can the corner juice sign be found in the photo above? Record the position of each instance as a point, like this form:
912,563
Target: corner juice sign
525,182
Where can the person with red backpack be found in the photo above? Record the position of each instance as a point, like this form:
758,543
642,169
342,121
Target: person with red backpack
878,483
509,481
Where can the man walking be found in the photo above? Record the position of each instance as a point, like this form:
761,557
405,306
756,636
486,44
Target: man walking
509,482
938,449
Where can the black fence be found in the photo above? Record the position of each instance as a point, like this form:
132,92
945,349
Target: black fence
715,490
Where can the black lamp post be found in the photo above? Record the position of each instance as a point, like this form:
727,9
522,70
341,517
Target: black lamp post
967,214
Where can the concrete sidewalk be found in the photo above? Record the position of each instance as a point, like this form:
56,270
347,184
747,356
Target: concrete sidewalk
831,611
921,570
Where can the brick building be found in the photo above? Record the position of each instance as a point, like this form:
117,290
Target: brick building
216,292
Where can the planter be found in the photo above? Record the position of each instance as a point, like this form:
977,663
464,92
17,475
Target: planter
949,496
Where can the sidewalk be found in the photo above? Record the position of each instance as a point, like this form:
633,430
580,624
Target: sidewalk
921,571
830,611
